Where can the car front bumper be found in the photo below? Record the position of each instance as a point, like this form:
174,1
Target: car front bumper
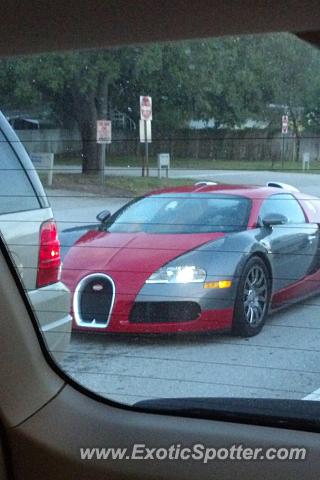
163,308
51,305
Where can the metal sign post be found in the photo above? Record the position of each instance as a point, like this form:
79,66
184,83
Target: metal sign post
146,143
145,130
145,137
104,135
285,126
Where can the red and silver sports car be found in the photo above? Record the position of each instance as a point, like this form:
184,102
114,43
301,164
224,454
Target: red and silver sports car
195,258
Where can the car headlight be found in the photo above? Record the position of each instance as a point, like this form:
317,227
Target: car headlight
183,274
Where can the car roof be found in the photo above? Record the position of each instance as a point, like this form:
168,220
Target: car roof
84,22
249,191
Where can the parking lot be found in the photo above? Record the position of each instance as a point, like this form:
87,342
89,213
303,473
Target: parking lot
283,361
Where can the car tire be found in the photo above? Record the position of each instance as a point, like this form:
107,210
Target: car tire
252,299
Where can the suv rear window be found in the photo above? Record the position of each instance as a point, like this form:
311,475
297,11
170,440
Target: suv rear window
16,190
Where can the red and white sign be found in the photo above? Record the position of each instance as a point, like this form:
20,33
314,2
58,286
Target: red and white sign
145,108
285,124
103,131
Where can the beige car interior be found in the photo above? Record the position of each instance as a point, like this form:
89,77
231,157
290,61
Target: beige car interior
44,417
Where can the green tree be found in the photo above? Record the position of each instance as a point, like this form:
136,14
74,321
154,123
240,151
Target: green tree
229,79
77,85
292,74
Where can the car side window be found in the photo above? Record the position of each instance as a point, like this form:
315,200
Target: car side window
16,190
284,204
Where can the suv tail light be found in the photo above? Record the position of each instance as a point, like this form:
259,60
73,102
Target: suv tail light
49,255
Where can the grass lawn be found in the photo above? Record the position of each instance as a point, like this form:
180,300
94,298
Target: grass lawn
130,186
141,185
201,163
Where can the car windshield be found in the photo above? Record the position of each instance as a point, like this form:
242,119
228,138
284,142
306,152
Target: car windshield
206,154
182,213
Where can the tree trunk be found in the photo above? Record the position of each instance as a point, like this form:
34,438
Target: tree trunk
102,98
101,102
90,160
89,108
86,116
296,136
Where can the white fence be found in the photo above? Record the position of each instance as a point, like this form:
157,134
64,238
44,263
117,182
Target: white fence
215,145
51,140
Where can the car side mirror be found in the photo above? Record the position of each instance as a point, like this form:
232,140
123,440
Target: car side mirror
273,219
103,216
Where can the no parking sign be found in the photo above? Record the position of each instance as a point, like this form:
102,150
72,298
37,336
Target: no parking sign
103,131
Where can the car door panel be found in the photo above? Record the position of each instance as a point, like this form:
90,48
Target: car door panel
92,424
292,246
292,250
3,467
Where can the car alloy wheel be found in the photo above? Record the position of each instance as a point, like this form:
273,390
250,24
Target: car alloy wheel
255,295
252,299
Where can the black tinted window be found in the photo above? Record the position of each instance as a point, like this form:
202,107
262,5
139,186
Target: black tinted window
286,205
17,193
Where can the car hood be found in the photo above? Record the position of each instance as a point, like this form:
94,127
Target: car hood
131,252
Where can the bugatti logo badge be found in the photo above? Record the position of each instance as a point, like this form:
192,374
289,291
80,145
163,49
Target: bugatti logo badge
97,287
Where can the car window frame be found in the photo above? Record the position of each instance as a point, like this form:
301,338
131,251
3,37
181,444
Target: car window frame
287,194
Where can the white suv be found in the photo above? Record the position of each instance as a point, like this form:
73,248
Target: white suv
29,230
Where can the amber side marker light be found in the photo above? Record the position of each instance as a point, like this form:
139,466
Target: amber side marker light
219,284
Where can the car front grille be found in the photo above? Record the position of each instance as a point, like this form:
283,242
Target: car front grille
164,312
94,298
